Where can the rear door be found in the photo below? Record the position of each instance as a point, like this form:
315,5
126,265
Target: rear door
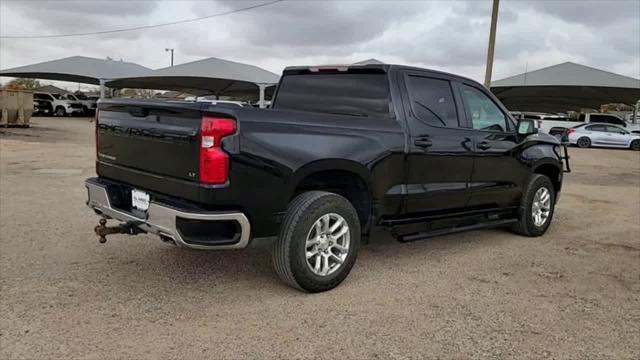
496,172
598,134
440,150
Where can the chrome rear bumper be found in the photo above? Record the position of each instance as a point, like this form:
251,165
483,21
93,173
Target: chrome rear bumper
161,219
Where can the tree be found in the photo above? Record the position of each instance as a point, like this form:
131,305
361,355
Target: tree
22,84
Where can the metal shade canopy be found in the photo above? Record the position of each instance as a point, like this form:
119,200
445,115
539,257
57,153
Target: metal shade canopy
78,69
211,76
566,86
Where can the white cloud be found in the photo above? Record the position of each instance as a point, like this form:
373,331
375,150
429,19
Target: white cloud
450,36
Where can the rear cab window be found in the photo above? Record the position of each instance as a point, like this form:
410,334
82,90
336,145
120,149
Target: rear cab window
607,119
363,94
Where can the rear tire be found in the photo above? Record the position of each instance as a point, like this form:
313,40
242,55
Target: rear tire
635,145
584,142
535,203
291,254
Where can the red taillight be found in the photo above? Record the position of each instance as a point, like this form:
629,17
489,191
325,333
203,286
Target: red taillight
214,162
96,130
570,131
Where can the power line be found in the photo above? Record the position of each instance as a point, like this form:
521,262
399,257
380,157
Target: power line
140,27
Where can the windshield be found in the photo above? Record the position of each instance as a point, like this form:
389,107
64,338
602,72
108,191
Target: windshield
81,97
342,93
57,96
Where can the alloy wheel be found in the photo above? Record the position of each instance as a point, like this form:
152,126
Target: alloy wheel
327,244
541,206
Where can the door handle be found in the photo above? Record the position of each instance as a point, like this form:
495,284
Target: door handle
422,142
484,145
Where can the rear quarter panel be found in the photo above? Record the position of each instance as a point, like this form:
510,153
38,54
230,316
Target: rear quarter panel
277,149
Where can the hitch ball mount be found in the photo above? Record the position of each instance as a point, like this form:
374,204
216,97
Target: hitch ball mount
102,230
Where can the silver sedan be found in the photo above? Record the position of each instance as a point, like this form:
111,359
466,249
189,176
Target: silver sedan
603,135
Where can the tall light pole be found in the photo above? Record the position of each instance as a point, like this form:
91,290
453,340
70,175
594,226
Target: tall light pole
492,44
170,49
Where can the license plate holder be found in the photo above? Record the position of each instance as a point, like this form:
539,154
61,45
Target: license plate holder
140,200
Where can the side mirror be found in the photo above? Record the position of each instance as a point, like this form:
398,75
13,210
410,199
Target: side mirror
526,127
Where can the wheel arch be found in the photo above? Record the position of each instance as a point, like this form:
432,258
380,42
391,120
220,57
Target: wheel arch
344,177
552,171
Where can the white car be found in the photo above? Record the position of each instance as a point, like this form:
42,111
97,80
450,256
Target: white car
556,125
60,105
88,105
603,135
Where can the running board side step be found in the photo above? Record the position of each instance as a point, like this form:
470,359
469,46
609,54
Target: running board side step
440,232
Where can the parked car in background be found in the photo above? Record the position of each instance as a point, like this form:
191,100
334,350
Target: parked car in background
603,135
557,125
609,119
61,106
88,105
42,105
417,152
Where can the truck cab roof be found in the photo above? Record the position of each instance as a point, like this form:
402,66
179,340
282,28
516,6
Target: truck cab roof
386,68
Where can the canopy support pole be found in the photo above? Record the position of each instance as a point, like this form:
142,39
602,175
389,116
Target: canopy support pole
261,102
636,111
102,88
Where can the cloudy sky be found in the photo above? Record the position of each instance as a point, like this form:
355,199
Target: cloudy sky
446,35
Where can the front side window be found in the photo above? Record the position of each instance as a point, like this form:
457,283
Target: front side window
615,129
485,114
432,101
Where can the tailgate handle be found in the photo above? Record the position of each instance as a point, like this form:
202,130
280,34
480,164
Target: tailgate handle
138,111
143,112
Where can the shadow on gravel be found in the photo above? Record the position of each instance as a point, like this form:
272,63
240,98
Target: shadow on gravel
187,270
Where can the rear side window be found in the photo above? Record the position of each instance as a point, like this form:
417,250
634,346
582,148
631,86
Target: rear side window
432,101
348,94
596,128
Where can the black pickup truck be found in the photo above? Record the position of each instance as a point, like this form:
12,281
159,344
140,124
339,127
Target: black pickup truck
342,149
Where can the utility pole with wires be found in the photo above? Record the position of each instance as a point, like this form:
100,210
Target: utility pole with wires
492,44
170,49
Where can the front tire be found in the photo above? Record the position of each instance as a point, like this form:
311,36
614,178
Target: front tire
60,111
635,145
536,207
584,142
318,242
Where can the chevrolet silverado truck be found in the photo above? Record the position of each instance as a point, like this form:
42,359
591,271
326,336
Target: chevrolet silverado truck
342,150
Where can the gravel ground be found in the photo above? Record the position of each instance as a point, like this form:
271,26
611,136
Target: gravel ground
574,293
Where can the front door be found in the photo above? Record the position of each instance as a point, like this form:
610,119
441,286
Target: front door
440,149
617,136
497,175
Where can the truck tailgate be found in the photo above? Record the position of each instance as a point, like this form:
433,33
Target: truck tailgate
154,137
